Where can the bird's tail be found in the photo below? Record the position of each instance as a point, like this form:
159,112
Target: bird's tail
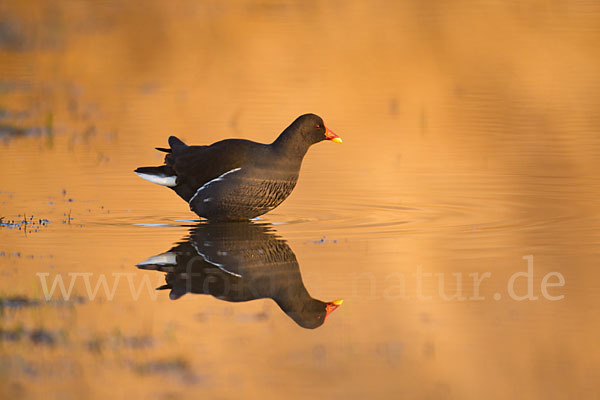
163,175
176,145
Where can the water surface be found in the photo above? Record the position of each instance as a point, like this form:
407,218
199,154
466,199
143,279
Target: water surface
471,151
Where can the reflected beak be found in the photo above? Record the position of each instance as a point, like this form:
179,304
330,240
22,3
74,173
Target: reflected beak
329,135
332,306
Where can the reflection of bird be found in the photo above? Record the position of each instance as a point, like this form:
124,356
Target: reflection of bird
237,179
240,262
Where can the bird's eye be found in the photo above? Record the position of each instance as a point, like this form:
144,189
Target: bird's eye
318,126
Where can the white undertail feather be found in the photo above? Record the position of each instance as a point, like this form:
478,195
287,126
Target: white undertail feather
219,178
162,180
161,259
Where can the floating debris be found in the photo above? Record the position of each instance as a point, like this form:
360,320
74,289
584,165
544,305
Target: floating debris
174,367
36,336
18,302
10,131
43,336
322,241
117,342
24,223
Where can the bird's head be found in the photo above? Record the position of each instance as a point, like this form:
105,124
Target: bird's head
314,313
313,129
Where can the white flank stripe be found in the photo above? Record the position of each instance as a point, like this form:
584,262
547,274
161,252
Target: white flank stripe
217,179
169,181
220,266
161,259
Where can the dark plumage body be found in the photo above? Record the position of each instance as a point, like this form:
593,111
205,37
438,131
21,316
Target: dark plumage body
237,179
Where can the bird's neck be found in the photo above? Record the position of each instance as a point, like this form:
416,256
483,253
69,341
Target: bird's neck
290,145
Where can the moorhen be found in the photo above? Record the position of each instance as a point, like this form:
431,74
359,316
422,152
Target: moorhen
237,179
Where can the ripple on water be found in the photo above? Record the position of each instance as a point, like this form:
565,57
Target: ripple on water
490,203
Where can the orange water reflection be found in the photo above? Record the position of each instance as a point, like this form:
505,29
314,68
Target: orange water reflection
470,141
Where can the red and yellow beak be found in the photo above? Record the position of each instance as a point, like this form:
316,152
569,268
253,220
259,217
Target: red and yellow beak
329,135
332,306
